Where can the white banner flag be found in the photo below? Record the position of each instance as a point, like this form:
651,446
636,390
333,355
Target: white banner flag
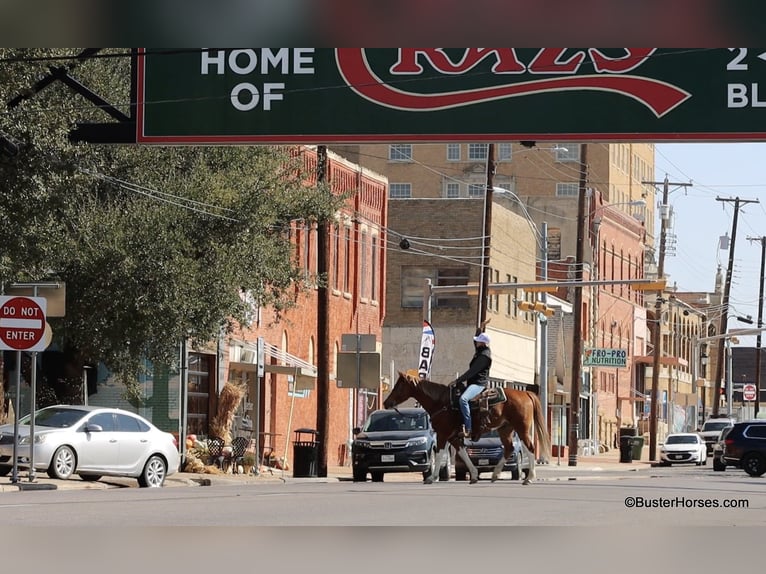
427,344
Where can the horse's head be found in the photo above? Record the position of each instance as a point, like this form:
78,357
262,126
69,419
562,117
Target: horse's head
403,390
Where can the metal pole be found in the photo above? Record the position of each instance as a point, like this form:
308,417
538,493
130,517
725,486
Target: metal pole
729,381
184,399
544,335
16,408
486,232
427,302
33,408
574,394
756,408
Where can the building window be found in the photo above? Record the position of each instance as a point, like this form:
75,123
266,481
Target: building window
198,387
477,151
400,152
363,264
476,189
453,152
347,259
452,190
400,190
413,279
374,268
504,152
568,152
567,189
336,257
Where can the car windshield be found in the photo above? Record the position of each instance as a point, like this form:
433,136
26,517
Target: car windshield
681,439
55,417
715,425
393,421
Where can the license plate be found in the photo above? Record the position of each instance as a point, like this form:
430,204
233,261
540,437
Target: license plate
483,462
386,458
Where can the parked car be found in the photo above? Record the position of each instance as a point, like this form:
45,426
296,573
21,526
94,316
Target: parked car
486,452
719,463
711,430
745,447
680,448
92,442
400,440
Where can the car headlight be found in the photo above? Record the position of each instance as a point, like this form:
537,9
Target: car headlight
39,439
417,441
362,443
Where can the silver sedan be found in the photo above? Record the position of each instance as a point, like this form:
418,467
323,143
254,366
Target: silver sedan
92,442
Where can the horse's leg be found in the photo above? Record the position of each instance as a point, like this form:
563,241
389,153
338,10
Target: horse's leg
474,474
442,457
529,449
507,450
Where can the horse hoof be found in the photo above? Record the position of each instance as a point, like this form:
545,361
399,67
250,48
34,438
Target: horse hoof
526,481
428,481
473,481
494,479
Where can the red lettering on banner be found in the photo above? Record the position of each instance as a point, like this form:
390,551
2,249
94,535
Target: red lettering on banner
548,61
634,58
507,63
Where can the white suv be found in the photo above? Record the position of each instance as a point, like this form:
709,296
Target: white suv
711,431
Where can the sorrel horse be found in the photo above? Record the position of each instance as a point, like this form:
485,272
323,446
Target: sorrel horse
520,412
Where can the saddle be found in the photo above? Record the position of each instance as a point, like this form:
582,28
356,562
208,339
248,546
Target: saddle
479,404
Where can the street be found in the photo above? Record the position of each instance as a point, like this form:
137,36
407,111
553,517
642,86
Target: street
678,496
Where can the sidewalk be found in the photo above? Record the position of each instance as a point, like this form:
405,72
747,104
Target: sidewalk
603,465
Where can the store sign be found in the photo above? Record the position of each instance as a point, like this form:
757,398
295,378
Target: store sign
343,95
605,358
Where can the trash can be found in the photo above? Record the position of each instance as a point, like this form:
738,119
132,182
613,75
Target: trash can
305,453
638,446
626,448
628,431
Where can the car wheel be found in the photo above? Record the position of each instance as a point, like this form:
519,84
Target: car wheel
360,475
5,470
754,464
377,476
90,477
153,475
718,464
515,474
460,474
63,463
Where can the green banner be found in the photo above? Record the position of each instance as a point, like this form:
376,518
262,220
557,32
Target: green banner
605,358
325,95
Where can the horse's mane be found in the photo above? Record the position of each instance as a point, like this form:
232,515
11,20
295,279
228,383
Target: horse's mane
432,390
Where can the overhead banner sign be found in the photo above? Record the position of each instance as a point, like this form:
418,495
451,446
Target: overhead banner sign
605,358
345,95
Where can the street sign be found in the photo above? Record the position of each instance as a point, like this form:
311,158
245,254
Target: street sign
749,392
339,95
605,358
22,324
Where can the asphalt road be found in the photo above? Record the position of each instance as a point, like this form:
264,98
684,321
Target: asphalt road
657,497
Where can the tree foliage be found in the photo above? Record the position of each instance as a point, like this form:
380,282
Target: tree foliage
155,244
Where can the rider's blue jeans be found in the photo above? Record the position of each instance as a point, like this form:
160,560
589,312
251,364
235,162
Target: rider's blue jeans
465,409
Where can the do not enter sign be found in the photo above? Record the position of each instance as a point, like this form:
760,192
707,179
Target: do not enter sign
22,324
749,392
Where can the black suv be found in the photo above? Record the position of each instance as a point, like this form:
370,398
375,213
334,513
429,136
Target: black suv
745,447
486,452
398,440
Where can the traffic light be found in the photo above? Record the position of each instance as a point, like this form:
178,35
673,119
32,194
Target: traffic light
536,307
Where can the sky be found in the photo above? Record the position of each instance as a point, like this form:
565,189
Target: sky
725,170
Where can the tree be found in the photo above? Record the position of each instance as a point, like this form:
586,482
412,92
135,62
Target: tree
155,244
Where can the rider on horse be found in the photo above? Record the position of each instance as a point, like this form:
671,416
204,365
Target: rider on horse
477,377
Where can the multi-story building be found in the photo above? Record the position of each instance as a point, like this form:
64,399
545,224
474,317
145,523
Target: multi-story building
542,184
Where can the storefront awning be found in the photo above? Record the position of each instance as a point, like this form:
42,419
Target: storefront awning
244,357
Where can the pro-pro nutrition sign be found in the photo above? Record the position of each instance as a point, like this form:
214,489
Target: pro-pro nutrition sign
325,95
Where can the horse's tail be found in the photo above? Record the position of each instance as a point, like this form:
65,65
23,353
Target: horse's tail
542,437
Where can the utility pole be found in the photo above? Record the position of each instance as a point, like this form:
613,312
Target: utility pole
323,326
725,303
657,332
544,335
574,393
486,231
762,239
